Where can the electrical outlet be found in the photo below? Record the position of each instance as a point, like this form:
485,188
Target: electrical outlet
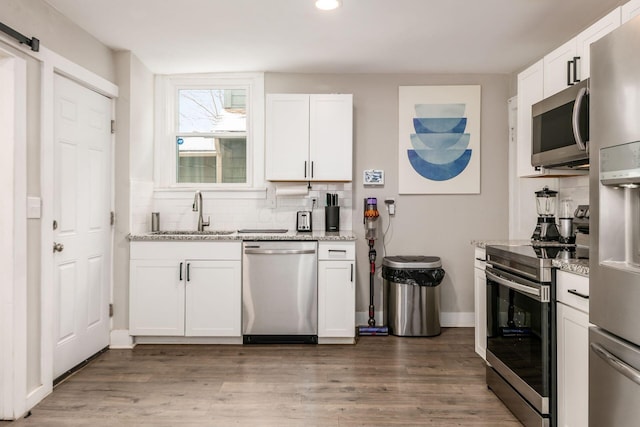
391,206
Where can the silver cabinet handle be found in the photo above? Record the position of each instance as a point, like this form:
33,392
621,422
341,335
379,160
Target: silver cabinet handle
58,247
617,364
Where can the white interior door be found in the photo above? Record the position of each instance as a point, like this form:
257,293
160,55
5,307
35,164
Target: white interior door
82,194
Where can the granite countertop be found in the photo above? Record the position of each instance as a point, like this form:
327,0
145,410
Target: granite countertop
577,266
236,236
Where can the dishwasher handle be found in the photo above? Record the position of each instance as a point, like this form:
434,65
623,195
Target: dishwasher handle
279,251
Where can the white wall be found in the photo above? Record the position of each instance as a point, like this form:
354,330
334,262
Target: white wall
134,171
35,18
440,225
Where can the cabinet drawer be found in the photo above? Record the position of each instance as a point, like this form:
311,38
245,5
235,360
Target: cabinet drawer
572,290
336,251
221,251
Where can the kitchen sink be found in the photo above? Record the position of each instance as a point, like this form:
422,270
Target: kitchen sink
194,233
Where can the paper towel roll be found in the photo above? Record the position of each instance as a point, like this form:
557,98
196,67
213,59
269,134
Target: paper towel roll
291,190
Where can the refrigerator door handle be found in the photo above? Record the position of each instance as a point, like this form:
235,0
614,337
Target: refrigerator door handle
575,121
617,364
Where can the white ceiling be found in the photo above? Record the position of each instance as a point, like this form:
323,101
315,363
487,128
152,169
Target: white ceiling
363,36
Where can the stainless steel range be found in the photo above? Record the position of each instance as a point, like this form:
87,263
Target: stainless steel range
520,329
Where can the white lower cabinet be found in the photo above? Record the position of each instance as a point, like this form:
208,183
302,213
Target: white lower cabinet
336,291
572,293
188,289
480,302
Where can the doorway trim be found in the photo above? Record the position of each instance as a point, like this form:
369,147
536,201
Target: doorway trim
19,400
52,63
13,228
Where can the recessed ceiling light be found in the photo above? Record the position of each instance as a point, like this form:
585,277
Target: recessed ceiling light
328,4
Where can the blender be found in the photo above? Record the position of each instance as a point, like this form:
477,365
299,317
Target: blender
566,222
546,229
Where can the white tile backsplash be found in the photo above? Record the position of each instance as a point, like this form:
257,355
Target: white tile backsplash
141,206
233,213
575,188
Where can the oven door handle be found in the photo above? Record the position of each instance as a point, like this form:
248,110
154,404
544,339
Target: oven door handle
513,285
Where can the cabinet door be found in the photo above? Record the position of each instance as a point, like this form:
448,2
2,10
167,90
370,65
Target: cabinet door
555,68
530,88
630,10
480,298
331,137
156,300
287,138
601,28
213,298
573,367
336,299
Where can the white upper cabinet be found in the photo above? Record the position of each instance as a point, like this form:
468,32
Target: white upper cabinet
309,137
530,91
331,137
630,10
583,42
559,71
569,63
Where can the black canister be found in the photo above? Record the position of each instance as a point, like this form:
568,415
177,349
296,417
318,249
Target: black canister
332,218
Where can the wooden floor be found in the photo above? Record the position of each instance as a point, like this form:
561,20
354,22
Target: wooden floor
380,381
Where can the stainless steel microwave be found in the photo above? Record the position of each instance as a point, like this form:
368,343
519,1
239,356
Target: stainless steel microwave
560,129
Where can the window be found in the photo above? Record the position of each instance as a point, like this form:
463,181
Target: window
211,137
209,134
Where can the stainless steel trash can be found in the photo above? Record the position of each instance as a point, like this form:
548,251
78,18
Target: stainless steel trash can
412,294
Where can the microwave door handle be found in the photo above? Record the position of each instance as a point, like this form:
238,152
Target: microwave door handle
576,116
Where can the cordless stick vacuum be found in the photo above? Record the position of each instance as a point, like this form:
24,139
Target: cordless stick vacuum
371,215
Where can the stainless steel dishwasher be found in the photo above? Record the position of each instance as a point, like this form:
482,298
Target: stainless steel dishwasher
280,292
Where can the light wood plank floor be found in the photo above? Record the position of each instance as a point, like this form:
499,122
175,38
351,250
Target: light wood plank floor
380,381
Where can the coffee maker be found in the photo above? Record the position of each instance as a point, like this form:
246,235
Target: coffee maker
546,229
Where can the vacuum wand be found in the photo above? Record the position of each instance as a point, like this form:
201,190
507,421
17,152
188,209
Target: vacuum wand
372,271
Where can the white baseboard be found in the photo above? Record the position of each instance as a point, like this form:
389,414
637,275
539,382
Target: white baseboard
447,319
457,319
120,339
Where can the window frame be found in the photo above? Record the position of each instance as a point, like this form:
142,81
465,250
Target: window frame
165,153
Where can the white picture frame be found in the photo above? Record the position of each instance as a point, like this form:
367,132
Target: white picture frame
439,139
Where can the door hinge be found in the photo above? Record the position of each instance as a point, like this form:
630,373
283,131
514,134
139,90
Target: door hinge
113,126
112,218
110,310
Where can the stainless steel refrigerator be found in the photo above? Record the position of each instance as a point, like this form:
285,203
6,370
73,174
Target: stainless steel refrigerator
614,273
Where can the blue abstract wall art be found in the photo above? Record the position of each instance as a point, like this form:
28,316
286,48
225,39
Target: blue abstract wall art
439,139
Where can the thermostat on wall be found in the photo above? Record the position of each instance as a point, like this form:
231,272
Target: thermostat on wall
373,177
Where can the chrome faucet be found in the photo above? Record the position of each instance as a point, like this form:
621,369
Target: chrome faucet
197,207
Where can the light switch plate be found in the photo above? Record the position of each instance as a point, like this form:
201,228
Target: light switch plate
34,207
